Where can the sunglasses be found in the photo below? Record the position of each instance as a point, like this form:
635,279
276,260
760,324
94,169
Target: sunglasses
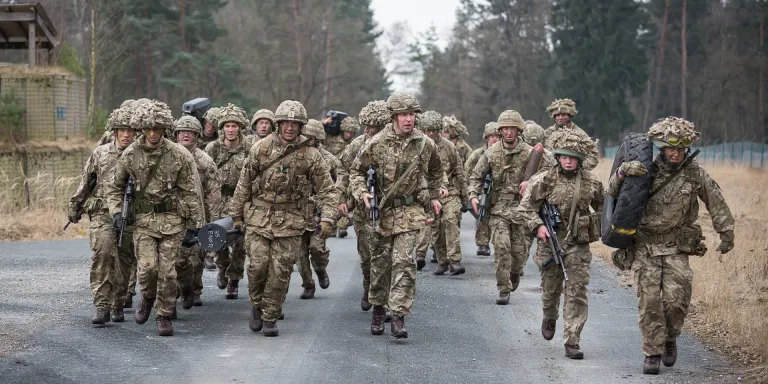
674,141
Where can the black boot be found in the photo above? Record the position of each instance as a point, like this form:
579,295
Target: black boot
145,308
456,269
670,353
377,320
573,352
117,315
652,365
364,304
101,317
255,323
270,329
398,327
322,279
309,293
421,261
164,326
221,279
548,328
232,289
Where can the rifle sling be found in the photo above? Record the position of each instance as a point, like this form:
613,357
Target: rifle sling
286,153
674,174
405,174
574,202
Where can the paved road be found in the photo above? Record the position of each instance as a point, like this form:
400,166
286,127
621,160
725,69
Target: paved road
457,333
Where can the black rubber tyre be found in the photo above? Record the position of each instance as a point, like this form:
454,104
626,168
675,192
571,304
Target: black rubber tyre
622,215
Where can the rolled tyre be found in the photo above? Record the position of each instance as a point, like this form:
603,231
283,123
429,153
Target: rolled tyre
622,215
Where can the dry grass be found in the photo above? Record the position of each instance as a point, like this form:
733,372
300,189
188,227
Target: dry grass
730,297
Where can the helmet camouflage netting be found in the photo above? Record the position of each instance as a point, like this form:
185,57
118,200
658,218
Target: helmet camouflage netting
151,114
232,113
350,124
431,121
562,106
674,129
572,143
453,126
375,114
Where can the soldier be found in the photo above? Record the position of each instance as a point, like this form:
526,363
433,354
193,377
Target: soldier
668,234
533,133
374,116
166,202
313,243
506,161
445,229
335,145
109,136
110,264
454,130
189,266
483,231
401,159
563,111
281,173
210,133
263,123
558,186
229,152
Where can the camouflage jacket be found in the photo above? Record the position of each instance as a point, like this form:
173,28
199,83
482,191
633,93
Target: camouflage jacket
558,188
507,167
333,164
107,137
102,164
203,141
280,195
164,178
464,149
390,155
469,165
455,180
592,159
675,208
210,185
335,144
348,156
230,162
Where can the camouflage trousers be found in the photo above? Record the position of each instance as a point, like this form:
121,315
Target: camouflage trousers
447,242
189,270
269,271
664,287
365,248
427,237
575,305
110,264
132,279
342,223
157,269
313,250
393,272
510,245
483,233
232,262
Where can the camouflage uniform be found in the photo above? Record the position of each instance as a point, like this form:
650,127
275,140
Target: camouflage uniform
230,161
276,219
211,117
667,235
265,114
483,230
568,106
166,201
559,187
444,232
110,265
313,243
374,116
533,134
402,213
336,145
507,167
189,266
454,129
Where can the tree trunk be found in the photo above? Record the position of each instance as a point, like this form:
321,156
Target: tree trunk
297,40
659,63
327,86
148,58
93,64
182,15
761,83
684,67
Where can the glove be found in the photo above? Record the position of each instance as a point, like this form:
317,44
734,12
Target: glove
117,220
326,229
464,208
633,168
190,237
238,224
73,216
726,242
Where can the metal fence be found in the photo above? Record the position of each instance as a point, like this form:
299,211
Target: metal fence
749,152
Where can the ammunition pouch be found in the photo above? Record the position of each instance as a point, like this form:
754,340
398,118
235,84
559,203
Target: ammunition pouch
143,207
397,202
588,228
690,241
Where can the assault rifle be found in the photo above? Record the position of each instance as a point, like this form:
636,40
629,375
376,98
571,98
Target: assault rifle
126,209
80,204
375,200
552,221
484,200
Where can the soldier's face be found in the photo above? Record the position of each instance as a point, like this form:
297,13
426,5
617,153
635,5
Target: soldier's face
209,128
492,139
154,136
371,130
230,130
186,138
562,119
674,155
434,135
124,137
289,130
509,134
348,135
312,141
263,127
568,163
405,122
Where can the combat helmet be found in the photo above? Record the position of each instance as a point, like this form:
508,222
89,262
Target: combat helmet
562,106
314,128
453,126
211,115
147,114
263,114
510,118
491,129
291,110
234,114
673,132
375,114
572,143
431,121
119,119
402,102
533,134
350,124
188,123
127,103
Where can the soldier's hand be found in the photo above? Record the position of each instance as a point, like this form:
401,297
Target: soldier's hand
72,216
542,233
632,168
326,229
238,224
343,209
367,200
726,242
474,205
443,193
117,220
523,187
436,206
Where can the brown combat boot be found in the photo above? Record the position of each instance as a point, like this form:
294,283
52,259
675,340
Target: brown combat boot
164,326
255,323
514,278
421,261
101,317
342,233
441,269
503,298
197,301
456,269
209,263
232,288
187,300
651,365
573,352
364,304
398,327
377,320
174,314
483,250
322,279
388,316
670,353
117,315
270,329
548,328
128,302
221,279
145,308
309,293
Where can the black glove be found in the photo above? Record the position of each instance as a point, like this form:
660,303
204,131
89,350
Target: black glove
117,220
190,238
